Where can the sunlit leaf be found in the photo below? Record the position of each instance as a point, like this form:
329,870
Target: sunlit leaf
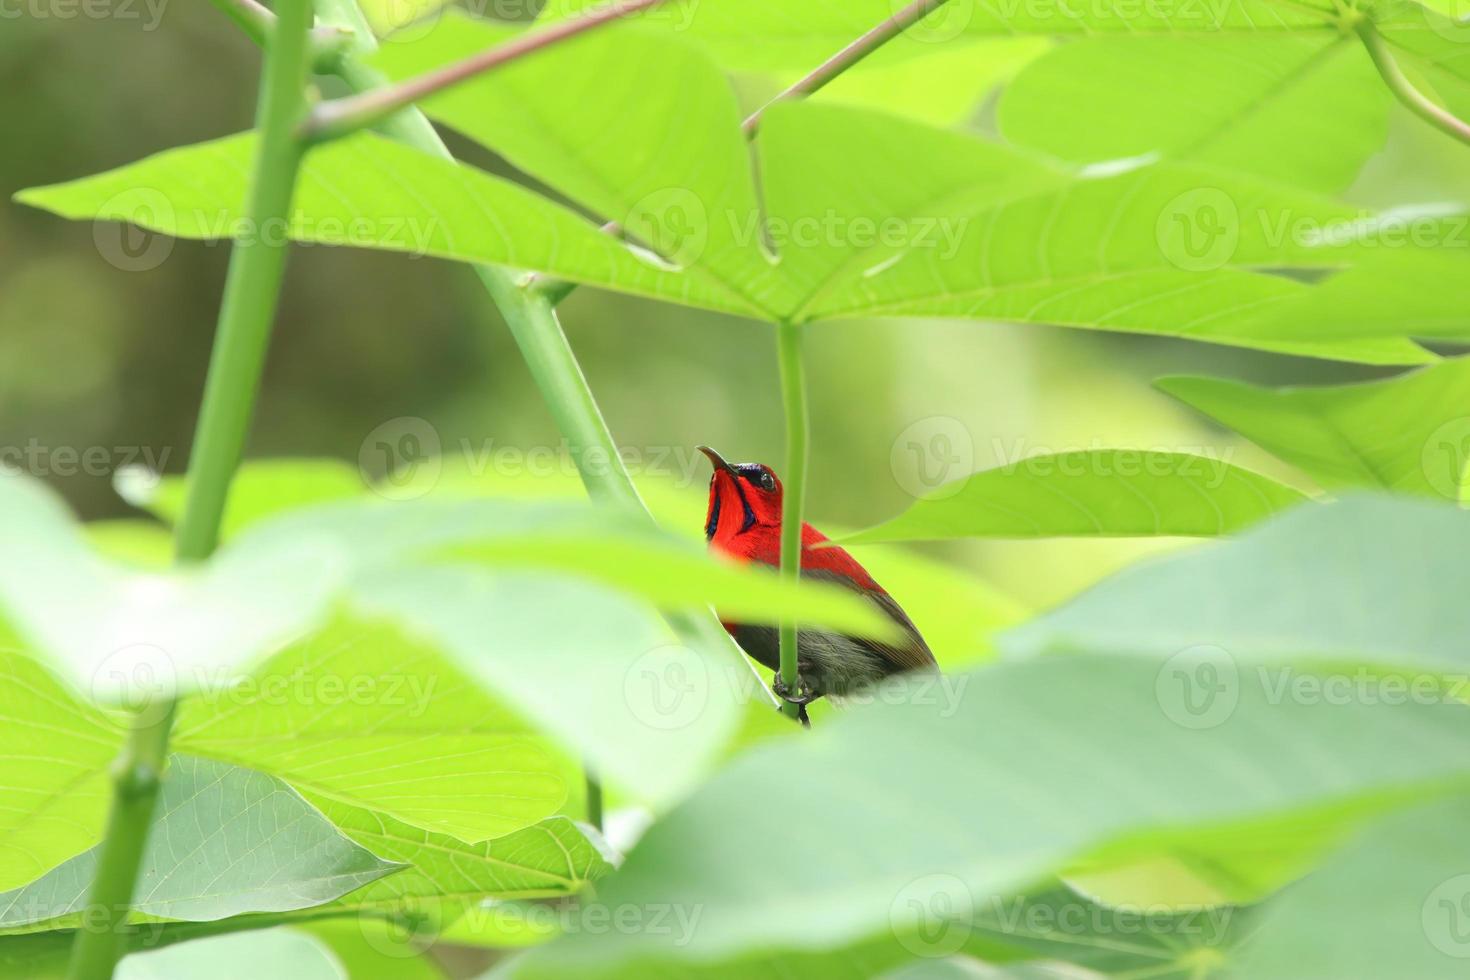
1109,492
1410,434
224,841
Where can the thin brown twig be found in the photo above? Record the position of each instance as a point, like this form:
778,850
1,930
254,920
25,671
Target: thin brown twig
347,115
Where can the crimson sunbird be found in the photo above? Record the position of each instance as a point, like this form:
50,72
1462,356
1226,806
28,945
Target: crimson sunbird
744,522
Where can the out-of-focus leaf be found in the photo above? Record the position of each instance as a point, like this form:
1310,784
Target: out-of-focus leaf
1392,904
261,489
224,841
55,784
1305,110
948,803
238,956
1369,579
369,949
365,714
117,632
1089,493
1409,434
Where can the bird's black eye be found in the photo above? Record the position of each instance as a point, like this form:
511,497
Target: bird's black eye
766,480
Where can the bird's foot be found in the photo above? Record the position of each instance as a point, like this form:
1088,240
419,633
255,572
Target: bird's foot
801,698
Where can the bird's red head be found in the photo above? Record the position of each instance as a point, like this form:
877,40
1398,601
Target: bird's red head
743,497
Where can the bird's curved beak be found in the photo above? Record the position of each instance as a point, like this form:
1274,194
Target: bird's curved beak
717,460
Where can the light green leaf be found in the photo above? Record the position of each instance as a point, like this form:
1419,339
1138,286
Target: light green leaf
991,780
1378,580
118,632
664,156
1409,434
549,859
366,191
363,713
237,956
1087,493
769,32
55,783
1392,904
943,86
262,488
1304,110
224,841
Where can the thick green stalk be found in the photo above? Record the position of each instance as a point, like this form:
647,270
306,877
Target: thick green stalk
793,482
246,312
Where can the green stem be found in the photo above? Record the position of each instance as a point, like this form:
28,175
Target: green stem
137,775
793,482
247,311
1398,83
594,800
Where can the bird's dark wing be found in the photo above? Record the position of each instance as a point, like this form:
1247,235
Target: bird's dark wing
910,652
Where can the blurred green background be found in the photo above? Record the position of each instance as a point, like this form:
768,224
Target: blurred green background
94,355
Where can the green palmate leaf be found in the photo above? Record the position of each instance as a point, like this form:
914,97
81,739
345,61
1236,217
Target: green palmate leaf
118,632
55,784
238,956
362,713
549,859
769,32
366,191
1304,110
1369,579
1392,904
990,776
687,195
1087,493
1410,434
224,841
942,86
973,229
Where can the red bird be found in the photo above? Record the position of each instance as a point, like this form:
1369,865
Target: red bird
744,522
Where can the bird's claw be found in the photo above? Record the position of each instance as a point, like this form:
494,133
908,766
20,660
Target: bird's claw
804,695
